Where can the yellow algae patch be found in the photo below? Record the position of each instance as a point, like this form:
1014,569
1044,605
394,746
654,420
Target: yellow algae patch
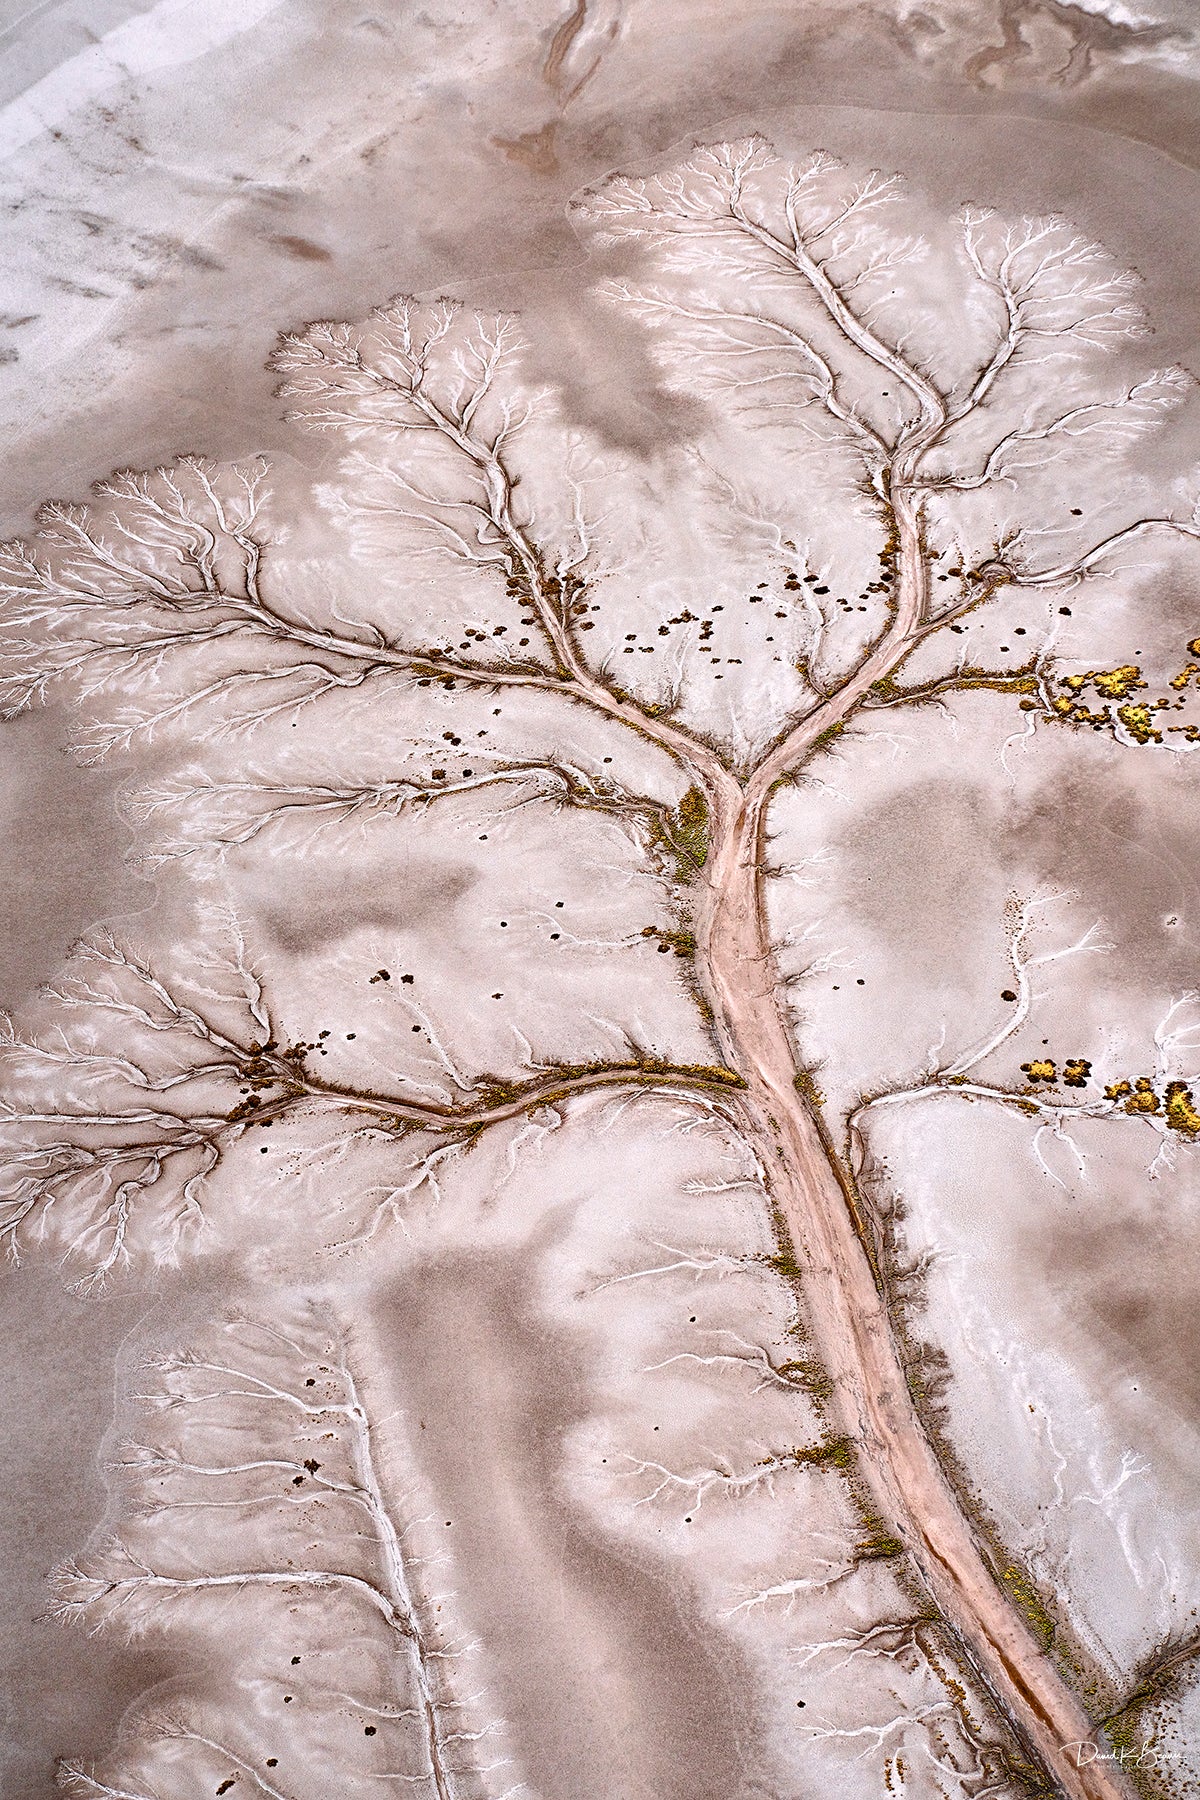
684,833
1181,1110
1139,723
1138,718
1114,684
1026,1597
1143,1098
1177,1104
1118,684
692,825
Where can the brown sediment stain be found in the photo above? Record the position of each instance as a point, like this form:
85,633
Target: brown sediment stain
538,149
533,149
889,851
302,248
1089,41
320,910
556,71
596,356
560,43
1097,826
598,1660
1130,1284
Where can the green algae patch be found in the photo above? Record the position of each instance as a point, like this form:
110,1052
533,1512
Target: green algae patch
683,833
1025,1597
830,1453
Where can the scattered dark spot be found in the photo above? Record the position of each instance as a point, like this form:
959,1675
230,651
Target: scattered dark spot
195,258
1007,994
78,288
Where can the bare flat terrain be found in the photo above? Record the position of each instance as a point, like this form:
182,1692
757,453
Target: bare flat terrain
600,1092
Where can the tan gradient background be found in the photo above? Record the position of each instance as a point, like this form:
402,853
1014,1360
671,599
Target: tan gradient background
161,231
